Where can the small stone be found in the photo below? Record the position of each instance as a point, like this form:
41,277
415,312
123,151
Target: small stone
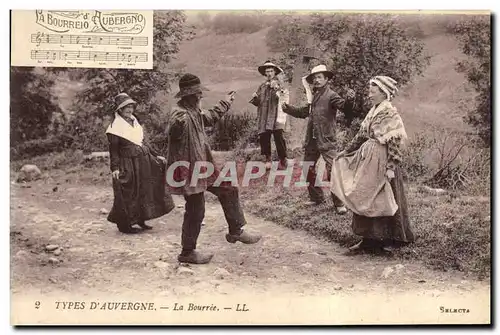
76,208
180,206
103,211
323,253
53,281
387,272
277,256
487,219
100,230
337,287
399,267
351,286
182,270
29,172
55,189
435,294
435,191
422,281
307,265
51,247
221,273
160,265
21,254
53,260
57,252
19,206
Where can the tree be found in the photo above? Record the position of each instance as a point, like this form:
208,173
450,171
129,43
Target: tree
31,105
97,101
356,48
474,35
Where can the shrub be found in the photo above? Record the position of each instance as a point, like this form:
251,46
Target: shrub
43,146
31,105
474,35
358,47
233,130
415,154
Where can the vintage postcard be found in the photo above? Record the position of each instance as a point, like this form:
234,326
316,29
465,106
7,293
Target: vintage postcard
177,167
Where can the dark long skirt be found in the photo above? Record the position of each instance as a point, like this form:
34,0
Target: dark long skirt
390,229
139,193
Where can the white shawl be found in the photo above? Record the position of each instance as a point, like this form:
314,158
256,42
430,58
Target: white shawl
122,128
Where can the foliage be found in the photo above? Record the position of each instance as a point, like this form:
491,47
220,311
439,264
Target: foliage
231,129
31,106
474,35
96,102
356,47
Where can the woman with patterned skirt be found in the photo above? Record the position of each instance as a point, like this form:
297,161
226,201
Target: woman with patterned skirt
367,177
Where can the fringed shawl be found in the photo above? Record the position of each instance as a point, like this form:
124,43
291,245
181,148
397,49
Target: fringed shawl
383,123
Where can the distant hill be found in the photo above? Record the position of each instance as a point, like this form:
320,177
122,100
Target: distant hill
437,99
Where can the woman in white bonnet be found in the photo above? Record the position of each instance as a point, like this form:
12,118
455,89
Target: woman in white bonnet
367,176
138,172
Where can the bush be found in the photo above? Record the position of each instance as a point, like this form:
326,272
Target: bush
358,47
31,105
474,35
233,130
413,163
43,146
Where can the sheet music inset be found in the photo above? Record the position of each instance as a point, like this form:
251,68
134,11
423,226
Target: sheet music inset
82,38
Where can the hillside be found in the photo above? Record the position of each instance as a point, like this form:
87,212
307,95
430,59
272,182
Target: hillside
435,100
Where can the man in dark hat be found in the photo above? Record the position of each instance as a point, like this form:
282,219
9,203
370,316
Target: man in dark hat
266,99
320,134
188,143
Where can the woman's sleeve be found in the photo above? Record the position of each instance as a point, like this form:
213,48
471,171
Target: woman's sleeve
394,152
356,142
114,156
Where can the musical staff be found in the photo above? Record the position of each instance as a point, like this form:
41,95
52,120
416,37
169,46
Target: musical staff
42,38
96,56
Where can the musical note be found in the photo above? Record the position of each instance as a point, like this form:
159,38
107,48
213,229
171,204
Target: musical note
94,56
40,38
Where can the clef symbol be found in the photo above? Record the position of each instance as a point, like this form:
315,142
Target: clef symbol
39,38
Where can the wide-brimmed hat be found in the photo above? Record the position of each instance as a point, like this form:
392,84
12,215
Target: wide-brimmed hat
319,69
267,64
189,84
122,100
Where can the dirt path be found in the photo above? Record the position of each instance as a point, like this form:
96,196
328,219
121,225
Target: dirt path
97,259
